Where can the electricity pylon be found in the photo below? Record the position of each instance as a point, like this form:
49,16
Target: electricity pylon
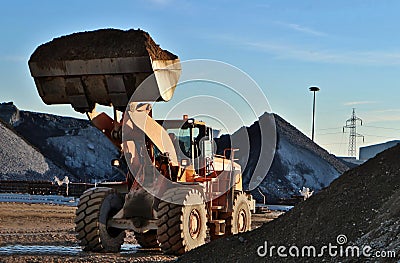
352,125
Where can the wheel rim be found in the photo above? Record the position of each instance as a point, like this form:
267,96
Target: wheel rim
194,224
242,221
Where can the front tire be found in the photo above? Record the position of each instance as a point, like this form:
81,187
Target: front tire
95,207
182,221
239,220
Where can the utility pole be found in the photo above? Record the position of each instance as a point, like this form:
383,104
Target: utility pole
313,89
352,125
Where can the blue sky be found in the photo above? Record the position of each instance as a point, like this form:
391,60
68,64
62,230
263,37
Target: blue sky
350,49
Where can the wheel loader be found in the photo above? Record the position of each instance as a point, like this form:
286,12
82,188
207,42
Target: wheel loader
177,190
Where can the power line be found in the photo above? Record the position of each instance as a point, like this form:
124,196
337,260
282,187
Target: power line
365,126
378,136
320,134
334,143
378,127
333,128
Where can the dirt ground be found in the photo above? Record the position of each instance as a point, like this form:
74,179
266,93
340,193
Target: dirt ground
53,226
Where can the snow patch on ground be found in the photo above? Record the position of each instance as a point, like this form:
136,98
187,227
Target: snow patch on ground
39,199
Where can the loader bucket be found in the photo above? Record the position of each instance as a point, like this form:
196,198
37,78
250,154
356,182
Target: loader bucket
105,67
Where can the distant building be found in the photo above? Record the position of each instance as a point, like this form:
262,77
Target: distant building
370,151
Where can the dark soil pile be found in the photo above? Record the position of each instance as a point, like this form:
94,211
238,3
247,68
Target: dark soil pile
102,43
363,204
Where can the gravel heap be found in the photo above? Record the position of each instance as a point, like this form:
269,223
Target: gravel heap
296,137
21,161
363,204
298,161
102,43
72,144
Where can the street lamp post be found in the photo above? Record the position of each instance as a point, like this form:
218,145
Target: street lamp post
313,89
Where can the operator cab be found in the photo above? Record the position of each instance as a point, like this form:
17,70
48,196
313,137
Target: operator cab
193,143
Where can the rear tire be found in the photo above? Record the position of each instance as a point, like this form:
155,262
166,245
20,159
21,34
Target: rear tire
95,207
182,220
147,239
